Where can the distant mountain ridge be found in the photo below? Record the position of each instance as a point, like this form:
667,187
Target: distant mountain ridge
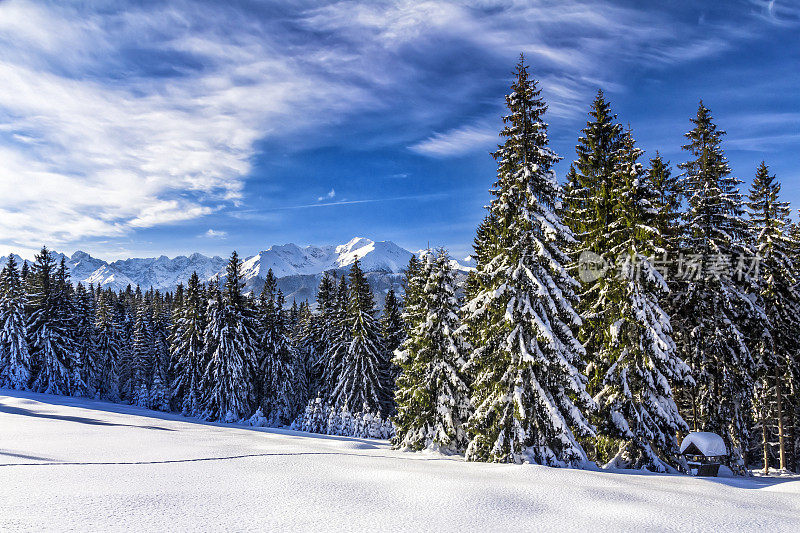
298,269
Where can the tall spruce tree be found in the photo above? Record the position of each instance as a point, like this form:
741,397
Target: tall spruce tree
188,349
528,392
713,310
15,360
318,335
591,195
636,403
339,338
51,347
393,333
777,345
108,346
359,387
231,344
276,357
160,376
432,396
142,355
84,335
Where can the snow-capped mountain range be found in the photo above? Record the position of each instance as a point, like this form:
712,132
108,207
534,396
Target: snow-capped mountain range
298,269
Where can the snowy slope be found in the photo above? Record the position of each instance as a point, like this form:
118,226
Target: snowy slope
73,464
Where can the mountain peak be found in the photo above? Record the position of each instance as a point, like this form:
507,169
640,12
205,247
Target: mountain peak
356,243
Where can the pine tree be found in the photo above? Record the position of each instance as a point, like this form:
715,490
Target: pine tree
160,368
592,196
528,392
142,356
108,347
636,401
15,360
187,349
392,331
432,395
231,344
51,348
318,333
713,311
339,338
777,343
359,387
84,335
276,357
667,203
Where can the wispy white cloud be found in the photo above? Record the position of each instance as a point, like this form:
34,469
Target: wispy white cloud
458,141
432,196
215,234
778,12
116,120
90,155
330,196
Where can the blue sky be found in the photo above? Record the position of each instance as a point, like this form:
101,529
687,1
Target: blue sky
172,127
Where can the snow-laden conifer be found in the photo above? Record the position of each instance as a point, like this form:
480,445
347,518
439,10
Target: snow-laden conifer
277,363
432,395
777,343
231,343
50,344
528,392
393,333
85,339
359,386
107,347
15,360
714,310
591,203
636,402
188,350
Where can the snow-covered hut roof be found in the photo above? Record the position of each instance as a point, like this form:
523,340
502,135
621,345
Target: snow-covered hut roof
703,443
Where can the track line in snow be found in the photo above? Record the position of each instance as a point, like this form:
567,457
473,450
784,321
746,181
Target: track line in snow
227,458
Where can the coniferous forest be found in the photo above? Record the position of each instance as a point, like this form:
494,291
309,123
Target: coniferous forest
609,313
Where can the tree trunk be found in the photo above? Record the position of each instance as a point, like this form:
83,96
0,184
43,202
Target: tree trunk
781,443
792,438
766,444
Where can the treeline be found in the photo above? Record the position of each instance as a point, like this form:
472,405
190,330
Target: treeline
607,318
206,350
604,319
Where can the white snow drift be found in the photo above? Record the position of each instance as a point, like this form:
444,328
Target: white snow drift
77,464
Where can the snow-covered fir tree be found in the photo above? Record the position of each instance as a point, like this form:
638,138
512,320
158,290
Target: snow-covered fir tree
433,403
528,392
51,347
713,308
231,344
667,202
188,350
84,336
142,355
393,333
318,333
592,198
338,342
277,361
107,347
160,363
15,360
636,403
359,387
777,345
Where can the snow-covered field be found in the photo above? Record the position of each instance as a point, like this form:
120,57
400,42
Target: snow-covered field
74,464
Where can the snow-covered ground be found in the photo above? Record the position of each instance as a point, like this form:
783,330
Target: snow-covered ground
74,464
